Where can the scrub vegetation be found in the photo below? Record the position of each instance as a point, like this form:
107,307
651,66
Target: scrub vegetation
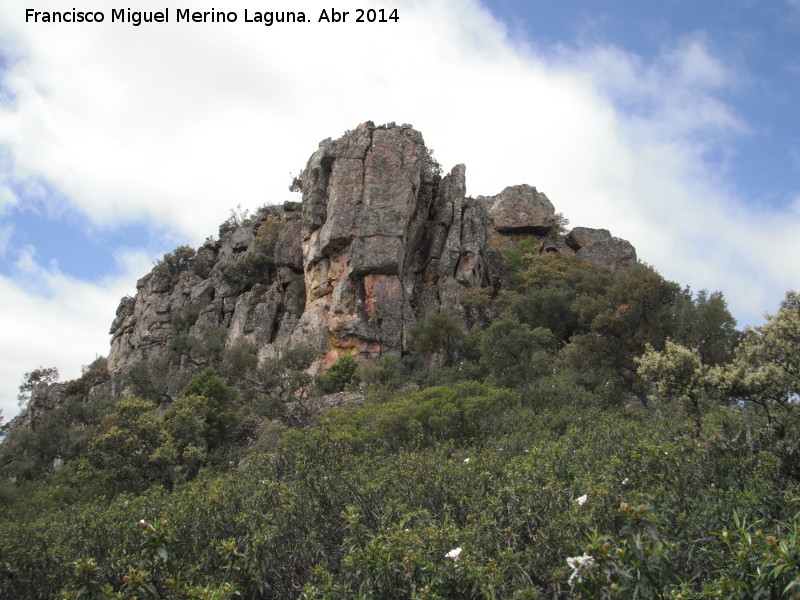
592,435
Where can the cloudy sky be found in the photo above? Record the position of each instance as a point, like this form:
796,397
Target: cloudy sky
672,123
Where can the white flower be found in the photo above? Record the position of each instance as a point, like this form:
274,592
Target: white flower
625,481
466,460
453,553
581,499
577,562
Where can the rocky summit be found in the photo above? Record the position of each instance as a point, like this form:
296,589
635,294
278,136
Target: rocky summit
380,240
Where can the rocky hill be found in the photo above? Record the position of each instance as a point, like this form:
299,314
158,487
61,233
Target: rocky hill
556,429
380,240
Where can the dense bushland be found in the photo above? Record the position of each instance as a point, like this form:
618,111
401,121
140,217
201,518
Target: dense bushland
593,435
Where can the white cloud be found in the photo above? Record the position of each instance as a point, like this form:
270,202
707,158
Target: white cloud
684,215
177,123
49,319
672,98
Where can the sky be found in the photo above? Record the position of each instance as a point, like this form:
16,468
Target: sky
674,124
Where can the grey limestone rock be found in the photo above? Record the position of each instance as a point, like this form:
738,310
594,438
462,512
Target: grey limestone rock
613,254
379,241
600,248
520,209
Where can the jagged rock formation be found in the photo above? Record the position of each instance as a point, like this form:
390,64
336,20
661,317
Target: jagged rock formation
234,283
379,241
44,398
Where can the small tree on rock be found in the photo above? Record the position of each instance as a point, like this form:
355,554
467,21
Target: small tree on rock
31,379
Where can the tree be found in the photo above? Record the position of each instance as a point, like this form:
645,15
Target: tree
342,375
678,373
705,323
189,424
637,310
437,334
240,360
550,307
135,446
515,354
125,441
257,265
207,344
384,375
179,259
239,217
297,183
765,376
286,376
276,380
218,414
791,301
283,378
762,382
157,379
32,379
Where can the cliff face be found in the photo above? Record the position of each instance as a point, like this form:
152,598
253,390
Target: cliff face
379,241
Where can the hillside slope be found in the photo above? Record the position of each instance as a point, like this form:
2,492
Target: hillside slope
391,390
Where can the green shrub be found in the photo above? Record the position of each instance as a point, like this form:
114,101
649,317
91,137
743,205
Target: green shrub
437,334
257,265
341,376
179,259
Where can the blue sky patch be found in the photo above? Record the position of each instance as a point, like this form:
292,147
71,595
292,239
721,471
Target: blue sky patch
78,248
757,40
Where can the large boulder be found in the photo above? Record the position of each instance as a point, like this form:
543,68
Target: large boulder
600,248
520,209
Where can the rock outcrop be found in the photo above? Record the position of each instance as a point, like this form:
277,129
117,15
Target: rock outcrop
598,247
380,240
44,398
